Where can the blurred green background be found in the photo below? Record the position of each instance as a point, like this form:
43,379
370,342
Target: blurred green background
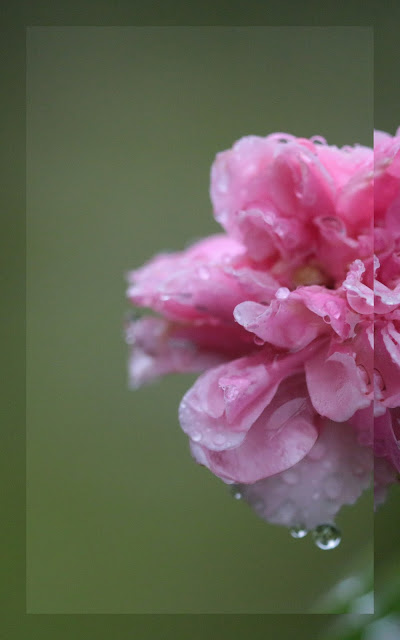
123,124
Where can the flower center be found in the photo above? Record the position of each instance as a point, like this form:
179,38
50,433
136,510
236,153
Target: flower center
309,275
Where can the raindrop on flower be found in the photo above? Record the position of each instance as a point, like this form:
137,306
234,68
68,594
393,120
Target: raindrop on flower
298,532
282,293
219,439
331,223
326,536
235,491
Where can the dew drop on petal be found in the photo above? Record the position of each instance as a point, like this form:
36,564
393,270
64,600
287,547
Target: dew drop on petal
195,436
332,223
236,492
219,439
282,293
298,532
326,537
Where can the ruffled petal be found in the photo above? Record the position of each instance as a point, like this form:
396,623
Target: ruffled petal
336,471
280,437
336,385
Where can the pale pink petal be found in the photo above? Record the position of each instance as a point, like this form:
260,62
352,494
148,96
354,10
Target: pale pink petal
225,402
202,283
336,385
157,349
336,471
280,437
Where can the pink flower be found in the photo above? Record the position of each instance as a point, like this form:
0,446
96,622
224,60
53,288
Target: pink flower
277,315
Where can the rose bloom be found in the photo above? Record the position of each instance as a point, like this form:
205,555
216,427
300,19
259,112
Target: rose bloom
279,314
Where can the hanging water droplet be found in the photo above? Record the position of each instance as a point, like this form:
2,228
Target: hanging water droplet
327,536
196,436
298,532
258,341
235,491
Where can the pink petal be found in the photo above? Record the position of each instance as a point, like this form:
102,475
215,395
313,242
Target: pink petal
278,439
336,385
336,470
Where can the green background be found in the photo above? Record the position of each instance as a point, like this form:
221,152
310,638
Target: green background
14,622
122,127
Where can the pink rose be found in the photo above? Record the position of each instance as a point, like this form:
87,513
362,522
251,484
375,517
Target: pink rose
279,316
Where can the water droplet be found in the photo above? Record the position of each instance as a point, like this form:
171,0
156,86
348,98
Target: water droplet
333,224
282,293
333,309
236,492
327,536
164,297
196,436
219,439
298,532
318,140
258,341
